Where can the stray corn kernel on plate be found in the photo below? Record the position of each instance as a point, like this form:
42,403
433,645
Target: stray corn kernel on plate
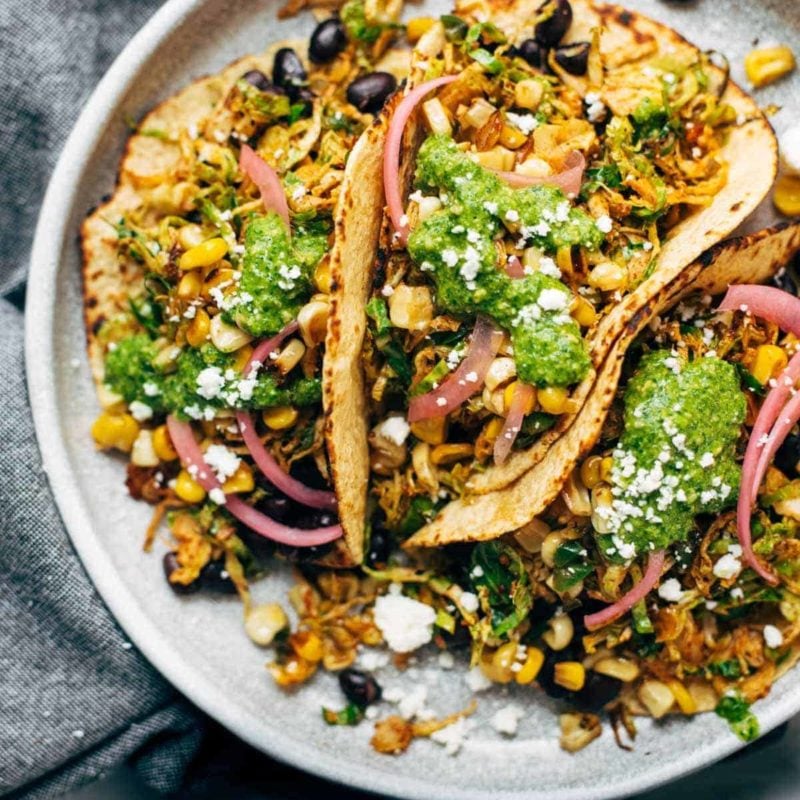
421,359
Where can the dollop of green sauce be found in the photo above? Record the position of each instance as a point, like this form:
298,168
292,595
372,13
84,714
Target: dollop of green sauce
276,275
676,457
131,372
457,246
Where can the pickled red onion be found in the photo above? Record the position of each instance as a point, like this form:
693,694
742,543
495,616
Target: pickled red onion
773,305
514,268
391,152
267,181
192,459
569,180
262,351
613,612
521,399
465,381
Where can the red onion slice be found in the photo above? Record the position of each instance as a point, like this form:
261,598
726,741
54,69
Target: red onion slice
521,399
514,268
767,302
613,612
391,152
465,381
267,180
569,180
192,459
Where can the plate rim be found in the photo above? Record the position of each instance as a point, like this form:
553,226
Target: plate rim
50,238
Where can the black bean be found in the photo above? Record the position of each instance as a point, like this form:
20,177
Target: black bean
255,77
532,52
170,564
327,41
304,555
787,459
597,691
288,71
786,281
369,92
550,31
280,508
380,546
359,687
214,578
574,58
546,679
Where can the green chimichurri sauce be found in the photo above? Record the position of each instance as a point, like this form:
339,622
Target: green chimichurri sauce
457,246
200,381
276,275
676,456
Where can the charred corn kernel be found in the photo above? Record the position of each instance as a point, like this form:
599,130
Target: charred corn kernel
307,645
162,444
188,489
478,114
787,195
493,428
602,500
115,431
559,633
241,481
204,254
534,659
421,461
583,312
620,668
167,358
570,675
501,662
264,622
564,260
427,206
280,418
606,465
552,542
531,536
608,277
528,94
450,453
290,356
769,361
512,138
190,285
417,26
656,697
508,396
767,64
199,329
685,701
500,371
143,453
411,307
553,399
110,401
591,471
242,358
493,401
436,117
190,236
227,338
432,431
312,320
497,158
322,276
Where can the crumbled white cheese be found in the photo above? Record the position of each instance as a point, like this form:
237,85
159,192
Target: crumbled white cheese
737,593
671,591
452,736
790,150
151,389
223,462
506,720
772,636
446,660
140,411
410,703
524,122
604,223
217,496
371,659
469,601
553,300
727,567
395,429
210,382
476,680
406,624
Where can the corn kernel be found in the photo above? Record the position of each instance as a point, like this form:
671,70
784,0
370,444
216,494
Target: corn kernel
512,138
188,489
162,444
787,195
499,667
227,338
411,307
656,697
528,94
499,158
264,622
322,276
450,453
432,431
242,359
622,669
583,312
606,465
307,645
685,701
769,361
417,27
608,277
530,668
290,356
553,399
115,431
280,418
313,322
534,167
570,674
190,285
478,114
768,64
508,396
591,471
190,236
241,481
143,453
501,371
436,117
204,255
199,329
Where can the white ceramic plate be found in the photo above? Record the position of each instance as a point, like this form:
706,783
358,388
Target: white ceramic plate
198,643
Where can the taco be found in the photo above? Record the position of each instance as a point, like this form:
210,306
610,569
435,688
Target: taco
567,163
206,294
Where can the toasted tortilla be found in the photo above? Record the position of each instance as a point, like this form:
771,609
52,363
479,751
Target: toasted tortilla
751,258
751,154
